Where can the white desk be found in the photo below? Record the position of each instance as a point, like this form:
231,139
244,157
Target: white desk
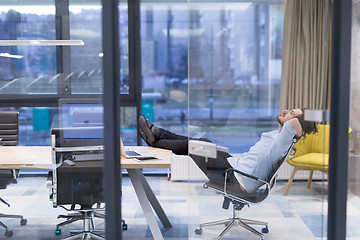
39,157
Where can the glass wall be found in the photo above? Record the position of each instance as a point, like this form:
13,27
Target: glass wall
209,70
164,62
54,125
235,70
353,200
235,65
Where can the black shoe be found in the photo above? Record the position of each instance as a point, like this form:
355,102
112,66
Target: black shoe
144,137
150,124
145,129
155,130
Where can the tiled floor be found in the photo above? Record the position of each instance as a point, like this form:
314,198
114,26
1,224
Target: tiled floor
300,215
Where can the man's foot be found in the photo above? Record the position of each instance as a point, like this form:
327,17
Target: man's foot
144,137
154,129
145,131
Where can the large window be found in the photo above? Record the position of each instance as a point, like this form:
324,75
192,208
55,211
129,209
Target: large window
86,61
164,61
225,58
235,52
23,69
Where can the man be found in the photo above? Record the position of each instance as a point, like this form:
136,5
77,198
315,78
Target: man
259,161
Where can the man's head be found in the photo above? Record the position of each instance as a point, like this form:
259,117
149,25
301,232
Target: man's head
307,126
289,114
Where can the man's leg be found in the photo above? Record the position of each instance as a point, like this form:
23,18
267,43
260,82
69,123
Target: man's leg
161,138
151,133
213,168
177,146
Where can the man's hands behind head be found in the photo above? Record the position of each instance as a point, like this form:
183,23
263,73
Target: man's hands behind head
294,122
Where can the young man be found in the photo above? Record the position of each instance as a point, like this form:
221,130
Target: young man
259,161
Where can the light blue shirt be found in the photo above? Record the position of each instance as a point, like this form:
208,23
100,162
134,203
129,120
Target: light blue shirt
261,159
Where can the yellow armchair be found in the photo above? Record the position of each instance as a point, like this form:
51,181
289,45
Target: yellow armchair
312,154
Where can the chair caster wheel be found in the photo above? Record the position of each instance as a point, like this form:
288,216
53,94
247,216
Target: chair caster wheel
124,227
198,231
265,229
58,231
23,222
8,233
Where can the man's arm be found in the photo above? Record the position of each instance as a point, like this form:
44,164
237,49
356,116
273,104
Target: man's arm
294,122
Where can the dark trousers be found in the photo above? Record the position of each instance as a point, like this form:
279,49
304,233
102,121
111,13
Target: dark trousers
214,168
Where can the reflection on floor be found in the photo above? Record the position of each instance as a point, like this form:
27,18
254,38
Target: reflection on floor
300,215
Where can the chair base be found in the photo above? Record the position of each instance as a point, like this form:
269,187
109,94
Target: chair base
87,216
85,236
233,222
8,232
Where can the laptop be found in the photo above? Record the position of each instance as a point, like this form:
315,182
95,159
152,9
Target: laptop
136,154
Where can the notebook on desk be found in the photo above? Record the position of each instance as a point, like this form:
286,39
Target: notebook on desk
136,154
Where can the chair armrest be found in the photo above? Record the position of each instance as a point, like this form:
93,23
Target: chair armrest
245,174
230,170
240,172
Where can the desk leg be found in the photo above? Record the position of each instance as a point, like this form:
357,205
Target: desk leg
135,177
154,202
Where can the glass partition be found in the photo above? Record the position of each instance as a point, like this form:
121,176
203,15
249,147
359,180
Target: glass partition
235,89
59,157
354,147
164,62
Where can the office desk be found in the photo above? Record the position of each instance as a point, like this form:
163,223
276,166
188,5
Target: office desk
39,157
25,157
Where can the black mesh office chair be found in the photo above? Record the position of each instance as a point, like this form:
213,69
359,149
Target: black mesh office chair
229,187
80,183
9,134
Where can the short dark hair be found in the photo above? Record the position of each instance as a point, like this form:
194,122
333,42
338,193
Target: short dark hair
307,126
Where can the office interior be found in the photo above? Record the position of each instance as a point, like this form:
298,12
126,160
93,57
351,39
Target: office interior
221,70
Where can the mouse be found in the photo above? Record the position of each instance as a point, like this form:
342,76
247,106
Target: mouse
68,163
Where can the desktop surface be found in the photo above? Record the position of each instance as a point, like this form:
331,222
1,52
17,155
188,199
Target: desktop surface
25,157
39,157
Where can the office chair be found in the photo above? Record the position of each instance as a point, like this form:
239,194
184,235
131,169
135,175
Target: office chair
228,187
79,185
9,134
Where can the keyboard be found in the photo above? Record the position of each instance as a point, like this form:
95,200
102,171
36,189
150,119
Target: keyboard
131,153
89,157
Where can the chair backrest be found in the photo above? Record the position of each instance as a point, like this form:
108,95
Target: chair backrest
9,134
81,183
9,128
